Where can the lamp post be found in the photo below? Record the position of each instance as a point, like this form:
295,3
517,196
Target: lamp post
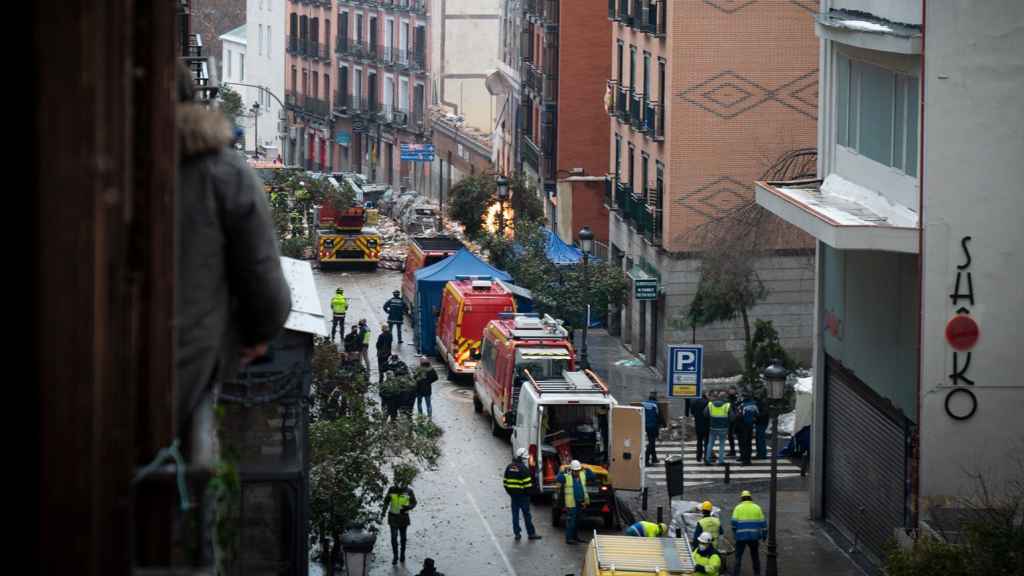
775,375
256,130
501,183
586,243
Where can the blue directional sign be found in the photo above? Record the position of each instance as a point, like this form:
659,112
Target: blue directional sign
685,371
418,152
343,138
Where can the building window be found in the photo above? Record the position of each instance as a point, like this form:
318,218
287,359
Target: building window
661,82
630,169
259,42
659,183
619,69
632,67
644,159
876,113
229,64
647,75
241,66
618,158
268,42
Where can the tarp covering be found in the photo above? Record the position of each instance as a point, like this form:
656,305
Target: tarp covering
430,283
556,250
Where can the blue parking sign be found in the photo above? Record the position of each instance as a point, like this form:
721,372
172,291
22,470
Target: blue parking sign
685,371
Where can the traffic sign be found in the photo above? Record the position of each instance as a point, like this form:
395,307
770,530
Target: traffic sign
685,370
417,152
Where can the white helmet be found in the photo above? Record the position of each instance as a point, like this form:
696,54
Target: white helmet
704,538
575,465
522,453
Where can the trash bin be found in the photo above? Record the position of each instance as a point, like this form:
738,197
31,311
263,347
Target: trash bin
674,475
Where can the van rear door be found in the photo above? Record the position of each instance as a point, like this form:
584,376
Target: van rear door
627,440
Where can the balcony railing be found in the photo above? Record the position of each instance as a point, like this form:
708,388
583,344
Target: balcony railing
342,103
636,110
551,11
298,102
550,93
612,98
646,219
654,121
530,153
624,16
613,13
298,46
659,18
622,103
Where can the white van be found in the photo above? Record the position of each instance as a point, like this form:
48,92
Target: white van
574,417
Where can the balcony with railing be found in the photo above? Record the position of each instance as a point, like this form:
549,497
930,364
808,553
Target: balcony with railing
645,218
530,153
342,103
306,48
613,11
622,103
624,16
654,121
612,97
636,110
659,18
551,8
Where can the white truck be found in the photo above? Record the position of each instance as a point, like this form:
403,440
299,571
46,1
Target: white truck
574,417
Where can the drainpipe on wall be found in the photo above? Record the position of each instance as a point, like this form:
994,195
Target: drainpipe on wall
915,462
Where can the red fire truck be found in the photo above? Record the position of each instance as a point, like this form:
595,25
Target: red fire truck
511,344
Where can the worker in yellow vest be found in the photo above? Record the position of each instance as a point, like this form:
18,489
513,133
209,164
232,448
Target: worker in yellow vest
708,523
399,500
646,529
749,528
575,496
706,559
718,412
339,306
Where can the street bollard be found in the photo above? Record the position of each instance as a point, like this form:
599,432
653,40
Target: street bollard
643,499
661,514
727,467
679,532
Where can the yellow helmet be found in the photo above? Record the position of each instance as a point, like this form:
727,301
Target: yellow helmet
745,494
662,529
706,506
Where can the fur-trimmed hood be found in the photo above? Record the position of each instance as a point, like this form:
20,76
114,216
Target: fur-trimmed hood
201,129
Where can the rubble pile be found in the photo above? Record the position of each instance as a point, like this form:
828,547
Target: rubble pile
396,242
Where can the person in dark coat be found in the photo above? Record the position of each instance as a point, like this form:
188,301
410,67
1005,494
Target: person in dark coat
231,294
746,418
425,377
396,308
700,423
383,350
353,340
734,403
428,568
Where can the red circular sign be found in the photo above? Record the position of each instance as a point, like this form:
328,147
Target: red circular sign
962,332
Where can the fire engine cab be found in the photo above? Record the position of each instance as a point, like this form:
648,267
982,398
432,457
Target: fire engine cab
467,305
512,344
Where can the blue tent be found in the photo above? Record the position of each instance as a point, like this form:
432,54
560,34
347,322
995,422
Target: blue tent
430,283
556,250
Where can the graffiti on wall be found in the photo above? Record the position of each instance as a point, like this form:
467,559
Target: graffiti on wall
962,333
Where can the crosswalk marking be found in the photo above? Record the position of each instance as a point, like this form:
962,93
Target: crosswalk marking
697,474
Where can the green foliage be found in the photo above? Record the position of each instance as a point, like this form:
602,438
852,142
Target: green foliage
562,291
293,195
469,199
990,540
472,196
230,104
225,487
355,450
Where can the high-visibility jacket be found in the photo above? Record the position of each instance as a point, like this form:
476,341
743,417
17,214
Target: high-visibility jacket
570,487
644,529
518,479
399,501
719,413
366,337
748,523
710,524
339,305
709,559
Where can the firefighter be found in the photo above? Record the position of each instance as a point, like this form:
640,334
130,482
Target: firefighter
399,500
647,530
395,307
339,306
518,483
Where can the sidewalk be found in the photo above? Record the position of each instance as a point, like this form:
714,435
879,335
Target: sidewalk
804,545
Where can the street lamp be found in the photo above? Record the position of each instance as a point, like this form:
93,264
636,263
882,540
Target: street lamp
586,243
256,129
775,375
501,182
